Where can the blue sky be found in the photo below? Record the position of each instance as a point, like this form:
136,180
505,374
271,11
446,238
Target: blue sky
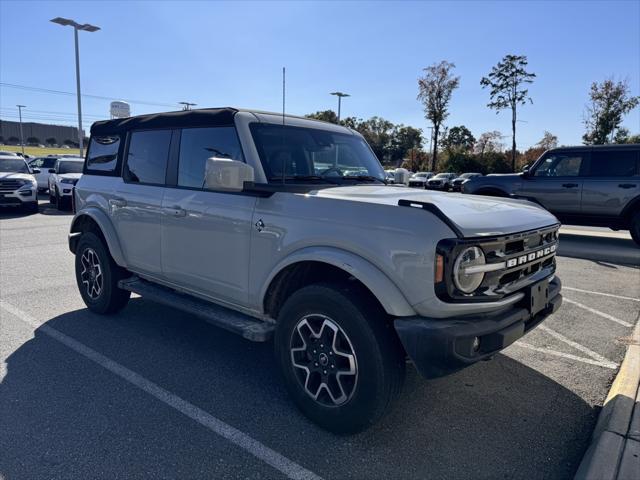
220,53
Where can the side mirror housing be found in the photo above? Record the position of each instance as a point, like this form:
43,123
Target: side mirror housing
226,174
52,170
35,170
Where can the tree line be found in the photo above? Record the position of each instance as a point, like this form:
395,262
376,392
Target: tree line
456,148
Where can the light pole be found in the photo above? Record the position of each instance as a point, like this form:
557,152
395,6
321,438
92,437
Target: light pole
87,27
20,107
187,105
340,95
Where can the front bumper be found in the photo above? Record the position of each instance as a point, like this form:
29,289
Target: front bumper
438,187
18,198
65,189
439,347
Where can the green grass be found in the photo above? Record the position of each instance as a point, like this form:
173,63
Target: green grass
40,152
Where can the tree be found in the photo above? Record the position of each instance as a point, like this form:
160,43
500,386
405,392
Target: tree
548,141
51,141
403,140
33,140
70,143
609,102
459,139
1,139
506,82
324,115
488,142
378,133
13,140
434,91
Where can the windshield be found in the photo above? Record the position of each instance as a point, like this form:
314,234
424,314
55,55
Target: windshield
309,154
15,166
442,175
70,167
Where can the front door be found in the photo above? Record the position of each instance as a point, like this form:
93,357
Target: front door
556,182
206,234
136,204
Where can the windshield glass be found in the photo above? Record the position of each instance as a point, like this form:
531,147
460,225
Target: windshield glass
15,166
442,175
70,167
309,154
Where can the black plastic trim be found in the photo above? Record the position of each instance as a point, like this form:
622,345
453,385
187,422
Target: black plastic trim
431,208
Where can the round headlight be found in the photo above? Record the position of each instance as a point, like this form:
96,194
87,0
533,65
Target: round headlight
465,280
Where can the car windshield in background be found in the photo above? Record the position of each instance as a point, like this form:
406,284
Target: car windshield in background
442,175
308,154
14,166
70,167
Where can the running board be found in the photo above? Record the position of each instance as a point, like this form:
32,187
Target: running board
236,322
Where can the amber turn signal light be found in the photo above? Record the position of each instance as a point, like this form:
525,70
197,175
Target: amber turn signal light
439,270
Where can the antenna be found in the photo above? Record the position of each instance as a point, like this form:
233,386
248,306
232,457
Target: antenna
283,131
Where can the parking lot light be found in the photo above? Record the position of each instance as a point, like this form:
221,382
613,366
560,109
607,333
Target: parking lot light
20,107
86,27
340,95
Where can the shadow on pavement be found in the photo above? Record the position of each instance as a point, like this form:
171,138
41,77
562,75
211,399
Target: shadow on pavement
64,416
600,249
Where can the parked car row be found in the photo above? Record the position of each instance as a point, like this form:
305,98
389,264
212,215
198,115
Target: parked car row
445,181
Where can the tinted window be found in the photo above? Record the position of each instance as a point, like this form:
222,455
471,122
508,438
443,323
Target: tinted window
198,144
103,153
613,164
14,166
69,167
560,165
147,156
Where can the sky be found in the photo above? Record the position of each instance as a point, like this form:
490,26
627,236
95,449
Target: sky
232,54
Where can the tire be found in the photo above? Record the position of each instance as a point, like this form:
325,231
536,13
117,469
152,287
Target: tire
60,202
634,228
99,290
52,199
367,352
32,207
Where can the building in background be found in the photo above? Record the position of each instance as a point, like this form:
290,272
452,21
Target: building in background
63,134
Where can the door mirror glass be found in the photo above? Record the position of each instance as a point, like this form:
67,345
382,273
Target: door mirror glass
36,170
226,174
52,170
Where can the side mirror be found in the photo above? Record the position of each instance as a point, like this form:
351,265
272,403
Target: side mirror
52,170
35,170
226,174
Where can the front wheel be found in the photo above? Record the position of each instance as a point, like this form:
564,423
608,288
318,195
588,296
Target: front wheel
342,362
634,228
97,276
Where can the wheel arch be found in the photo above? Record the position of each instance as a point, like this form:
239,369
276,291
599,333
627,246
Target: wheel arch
630,209
95,220
314,265
491,191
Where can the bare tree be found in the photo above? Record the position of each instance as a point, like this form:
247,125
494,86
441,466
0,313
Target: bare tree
505,81
488,142
610,101
548,141
434,91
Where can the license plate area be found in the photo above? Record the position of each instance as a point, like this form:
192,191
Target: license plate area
538,296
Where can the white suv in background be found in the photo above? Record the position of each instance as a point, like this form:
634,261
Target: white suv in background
44,164
64,176
18,187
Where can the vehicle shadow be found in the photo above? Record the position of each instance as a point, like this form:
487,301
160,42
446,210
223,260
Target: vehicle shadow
63,415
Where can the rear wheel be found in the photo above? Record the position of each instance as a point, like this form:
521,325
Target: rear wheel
341,360
97,276
634,228
60,203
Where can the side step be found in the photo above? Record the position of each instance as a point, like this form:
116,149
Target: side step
236,322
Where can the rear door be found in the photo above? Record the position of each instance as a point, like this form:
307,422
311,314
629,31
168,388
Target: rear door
611,182
136,205
556,183
206,234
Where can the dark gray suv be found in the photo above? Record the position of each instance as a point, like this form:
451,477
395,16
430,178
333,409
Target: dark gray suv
587,185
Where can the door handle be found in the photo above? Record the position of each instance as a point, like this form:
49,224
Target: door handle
118,202
175,211
627,185
570,185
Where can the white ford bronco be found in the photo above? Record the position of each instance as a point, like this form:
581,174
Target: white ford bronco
284,227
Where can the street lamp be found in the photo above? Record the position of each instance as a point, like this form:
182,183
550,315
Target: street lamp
87,27
187,105
340,95
20,107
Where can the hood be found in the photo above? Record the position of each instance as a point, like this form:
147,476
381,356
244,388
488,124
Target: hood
473,215
17,176
70,175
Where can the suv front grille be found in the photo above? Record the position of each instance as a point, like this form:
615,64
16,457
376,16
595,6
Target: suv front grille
10,185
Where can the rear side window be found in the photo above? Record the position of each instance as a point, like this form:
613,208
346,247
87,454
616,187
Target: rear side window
613,164
103,153
199,144
560,165
147,157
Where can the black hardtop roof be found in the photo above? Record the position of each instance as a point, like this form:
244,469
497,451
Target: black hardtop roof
609,146
209,117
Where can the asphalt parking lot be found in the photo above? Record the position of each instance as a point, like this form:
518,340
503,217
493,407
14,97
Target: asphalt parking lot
153,392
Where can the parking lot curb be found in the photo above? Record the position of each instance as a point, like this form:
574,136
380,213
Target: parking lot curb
615,443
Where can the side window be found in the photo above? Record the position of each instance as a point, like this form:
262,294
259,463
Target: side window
560,165
147,156
48,162
198,144
103,153
613,164
37,163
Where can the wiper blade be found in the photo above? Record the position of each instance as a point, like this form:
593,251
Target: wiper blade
303,178
364,178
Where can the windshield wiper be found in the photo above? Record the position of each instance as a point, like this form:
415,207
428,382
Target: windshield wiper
303,178
364,178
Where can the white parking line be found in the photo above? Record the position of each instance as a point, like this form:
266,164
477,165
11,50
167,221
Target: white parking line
621,297
567,355
598,312
558,336
217,426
